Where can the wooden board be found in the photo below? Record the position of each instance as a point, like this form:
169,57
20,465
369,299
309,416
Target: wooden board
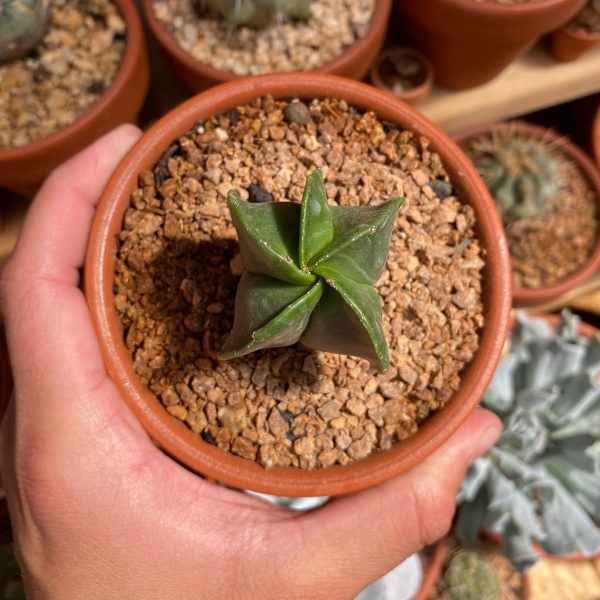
532,83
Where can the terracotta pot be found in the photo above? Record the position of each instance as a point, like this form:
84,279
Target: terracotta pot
470,42
595,142
569,44
354,62
527,296
24,168
382,74
432,569
174,437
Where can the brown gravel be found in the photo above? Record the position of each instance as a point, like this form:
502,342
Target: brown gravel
588,19
68,71
178,267
547,249
283,46
511,581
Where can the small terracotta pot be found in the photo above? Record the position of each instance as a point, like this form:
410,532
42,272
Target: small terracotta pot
595,142
528,296
354,62
382,74
471,42
173,436
24,168
569,44
432,570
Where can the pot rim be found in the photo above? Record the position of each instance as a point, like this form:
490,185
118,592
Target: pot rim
578,34
178,440
496,9
433,570
348,55
596,136
133,28
532,296
410,94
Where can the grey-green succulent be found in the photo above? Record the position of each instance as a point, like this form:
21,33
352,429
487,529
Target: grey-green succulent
256,13
470,576
541,481
520,172
309,274
22,25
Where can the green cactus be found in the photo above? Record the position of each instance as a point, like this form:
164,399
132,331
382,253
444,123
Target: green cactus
520,173
257,13
310,270
22,25
470,576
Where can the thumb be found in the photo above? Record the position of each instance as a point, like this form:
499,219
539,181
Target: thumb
355,539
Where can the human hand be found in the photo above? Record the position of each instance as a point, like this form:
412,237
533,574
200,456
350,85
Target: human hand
99,512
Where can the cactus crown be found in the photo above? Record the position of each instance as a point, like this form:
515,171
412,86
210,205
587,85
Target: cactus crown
541,481
310,270
470,576
520,173
257,13
22,25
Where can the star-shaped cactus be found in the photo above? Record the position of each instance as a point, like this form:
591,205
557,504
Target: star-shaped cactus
309,275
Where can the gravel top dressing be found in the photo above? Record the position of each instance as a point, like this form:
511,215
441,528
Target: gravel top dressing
548,248
284,45
178,266
59,80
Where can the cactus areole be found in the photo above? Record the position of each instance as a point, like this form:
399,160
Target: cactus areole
309,275
22,26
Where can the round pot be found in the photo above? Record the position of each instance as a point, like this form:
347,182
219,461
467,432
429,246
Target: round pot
471,42
383,70
433,569
23,169
529,296
174,437
595,142
569,44
354,62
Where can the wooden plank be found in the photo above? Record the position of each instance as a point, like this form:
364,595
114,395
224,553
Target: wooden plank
535,81
561,580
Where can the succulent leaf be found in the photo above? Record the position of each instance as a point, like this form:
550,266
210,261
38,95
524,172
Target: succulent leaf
540,481
310,270
22,25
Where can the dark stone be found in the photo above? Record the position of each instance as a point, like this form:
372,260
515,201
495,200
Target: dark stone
233,115
207,437
297,112
160,170
442,189
257,194
96,87
287,415
389,126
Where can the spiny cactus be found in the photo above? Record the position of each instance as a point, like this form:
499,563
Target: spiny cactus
519,171
310,270
470,576
22,25
541,481
256,13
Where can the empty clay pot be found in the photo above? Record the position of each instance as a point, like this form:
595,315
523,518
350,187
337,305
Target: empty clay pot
23,168
354,62
469,42
172,435
384,74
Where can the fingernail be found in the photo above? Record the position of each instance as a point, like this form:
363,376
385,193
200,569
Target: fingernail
487,439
